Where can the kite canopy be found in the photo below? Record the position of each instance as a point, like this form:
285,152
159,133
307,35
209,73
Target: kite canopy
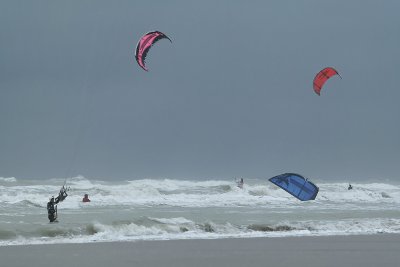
296,185
144,45
322,77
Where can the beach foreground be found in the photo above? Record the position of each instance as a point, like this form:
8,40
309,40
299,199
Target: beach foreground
369,250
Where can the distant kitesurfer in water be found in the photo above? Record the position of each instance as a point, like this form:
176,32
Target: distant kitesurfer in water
86,198
240,183
350,187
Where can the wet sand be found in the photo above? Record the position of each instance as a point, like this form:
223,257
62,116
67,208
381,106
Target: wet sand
371,250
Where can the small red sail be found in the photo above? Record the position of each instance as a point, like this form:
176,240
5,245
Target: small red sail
322,77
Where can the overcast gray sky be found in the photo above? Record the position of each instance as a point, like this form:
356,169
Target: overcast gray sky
231,96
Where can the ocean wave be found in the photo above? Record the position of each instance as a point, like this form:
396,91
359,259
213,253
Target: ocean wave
8,179
182,228
177,193
7,235
270,228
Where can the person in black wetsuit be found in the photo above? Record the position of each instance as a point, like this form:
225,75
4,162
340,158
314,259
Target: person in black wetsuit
240,183
350,187
62,195
52,204
52,209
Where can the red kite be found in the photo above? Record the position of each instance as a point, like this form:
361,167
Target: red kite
322,77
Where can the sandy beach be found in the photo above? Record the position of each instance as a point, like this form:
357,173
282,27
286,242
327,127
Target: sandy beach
369,250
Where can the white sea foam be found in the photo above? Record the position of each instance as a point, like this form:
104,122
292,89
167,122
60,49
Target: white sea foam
149,192
150,209
130,231
8,179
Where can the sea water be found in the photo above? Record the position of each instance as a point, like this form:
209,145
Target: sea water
165,209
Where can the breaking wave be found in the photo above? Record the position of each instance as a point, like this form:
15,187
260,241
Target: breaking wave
182,228
8,179
213,193
166,209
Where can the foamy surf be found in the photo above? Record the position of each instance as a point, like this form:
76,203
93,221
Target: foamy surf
163,209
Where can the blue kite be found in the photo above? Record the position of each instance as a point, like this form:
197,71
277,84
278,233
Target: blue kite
296,185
